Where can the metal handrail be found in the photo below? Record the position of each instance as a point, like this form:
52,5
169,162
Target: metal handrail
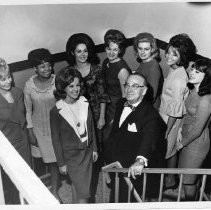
29,185
162,172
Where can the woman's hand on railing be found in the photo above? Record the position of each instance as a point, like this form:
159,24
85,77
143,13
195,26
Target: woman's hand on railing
135,169
63,169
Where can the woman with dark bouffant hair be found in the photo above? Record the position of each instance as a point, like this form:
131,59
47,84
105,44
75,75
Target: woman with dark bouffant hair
148,55
115,71
180,51
73,133
81,38
195,142
81,54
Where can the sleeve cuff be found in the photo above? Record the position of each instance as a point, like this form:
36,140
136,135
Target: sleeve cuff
143,159
29,126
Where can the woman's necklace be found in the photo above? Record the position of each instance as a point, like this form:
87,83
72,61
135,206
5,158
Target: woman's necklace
43,84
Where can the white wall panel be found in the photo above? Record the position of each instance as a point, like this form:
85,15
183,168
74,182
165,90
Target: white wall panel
25,27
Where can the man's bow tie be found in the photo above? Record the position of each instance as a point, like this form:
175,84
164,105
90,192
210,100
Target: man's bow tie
127,104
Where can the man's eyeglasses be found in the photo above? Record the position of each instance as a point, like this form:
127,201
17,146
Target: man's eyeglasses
134,86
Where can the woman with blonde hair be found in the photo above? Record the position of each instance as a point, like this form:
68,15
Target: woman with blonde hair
12,125
148,55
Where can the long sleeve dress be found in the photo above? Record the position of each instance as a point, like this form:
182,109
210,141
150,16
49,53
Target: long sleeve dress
13,126
153,73
38,105
94,90
174,93
195,133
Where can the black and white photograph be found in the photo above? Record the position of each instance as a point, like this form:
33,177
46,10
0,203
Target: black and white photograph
105,104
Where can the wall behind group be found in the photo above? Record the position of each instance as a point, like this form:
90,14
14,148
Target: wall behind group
25,27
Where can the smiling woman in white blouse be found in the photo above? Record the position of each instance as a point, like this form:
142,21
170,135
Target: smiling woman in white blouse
73,133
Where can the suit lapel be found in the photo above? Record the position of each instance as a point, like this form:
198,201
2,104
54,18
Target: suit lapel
66,114
131,117
69,116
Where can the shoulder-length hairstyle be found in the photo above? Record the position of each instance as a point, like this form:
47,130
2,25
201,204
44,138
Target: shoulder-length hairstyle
117,37
186,48
204,65
64,78
81,38
147,37
39,56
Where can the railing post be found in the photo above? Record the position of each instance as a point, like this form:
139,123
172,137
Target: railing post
116,187
144,187
130,188
180,188
104,185
2,200
202,187
161,188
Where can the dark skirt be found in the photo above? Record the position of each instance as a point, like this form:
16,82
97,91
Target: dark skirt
80,171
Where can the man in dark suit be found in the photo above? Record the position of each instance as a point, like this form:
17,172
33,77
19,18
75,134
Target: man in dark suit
137,137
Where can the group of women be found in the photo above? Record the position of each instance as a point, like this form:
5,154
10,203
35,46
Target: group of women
69,115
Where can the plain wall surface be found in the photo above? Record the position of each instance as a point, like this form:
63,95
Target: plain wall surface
26,27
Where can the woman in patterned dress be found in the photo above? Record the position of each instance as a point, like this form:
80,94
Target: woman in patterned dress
81,55
39,99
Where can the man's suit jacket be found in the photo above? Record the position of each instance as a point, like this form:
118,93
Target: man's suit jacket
148,141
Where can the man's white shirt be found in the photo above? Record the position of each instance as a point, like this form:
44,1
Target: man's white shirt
125,112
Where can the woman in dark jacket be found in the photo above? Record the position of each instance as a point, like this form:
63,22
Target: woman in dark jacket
73,133
12,125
